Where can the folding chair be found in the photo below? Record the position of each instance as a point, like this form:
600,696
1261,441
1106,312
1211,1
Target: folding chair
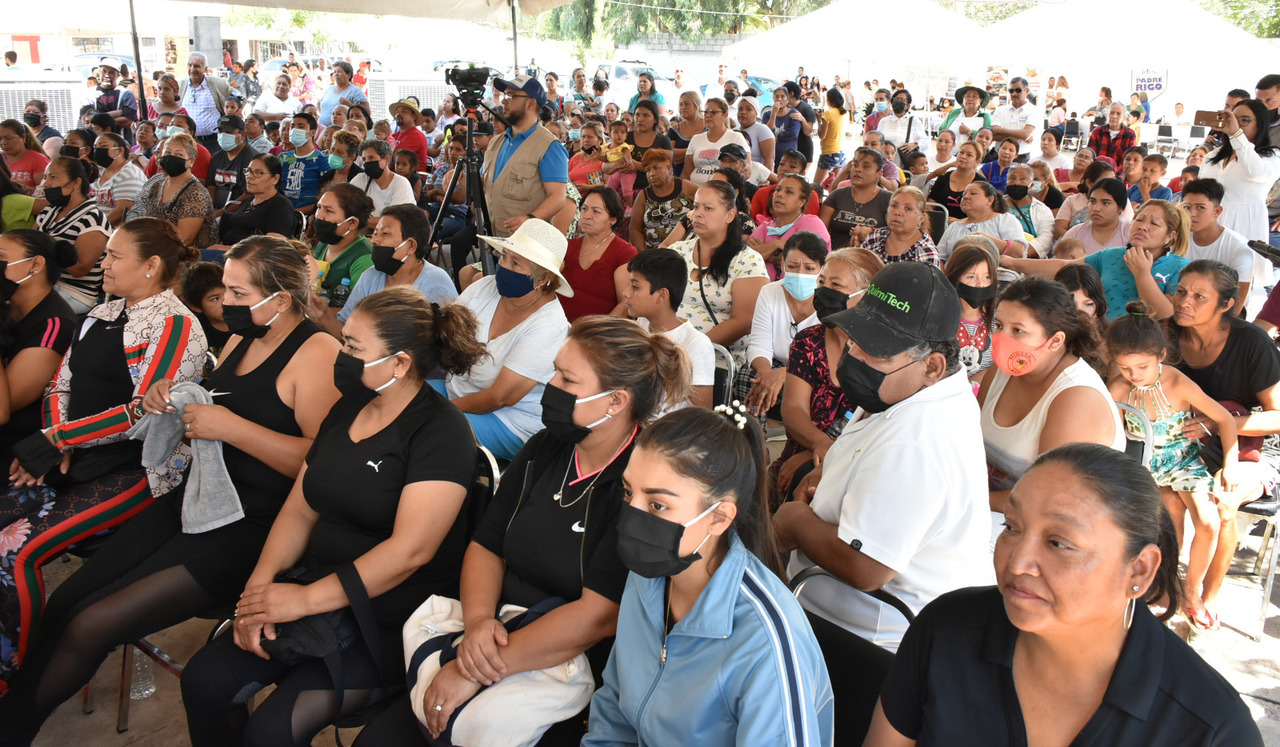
726,369
1141,450
1165,141
1071,138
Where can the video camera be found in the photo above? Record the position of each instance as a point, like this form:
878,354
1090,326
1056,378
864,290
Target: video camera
470,82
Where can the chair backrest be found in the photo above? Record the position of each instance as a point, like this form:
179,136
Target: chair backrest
798,581
1073,127
857,668
937,222
483,487
1164,131
726,369
1146,446
1198,132
299,225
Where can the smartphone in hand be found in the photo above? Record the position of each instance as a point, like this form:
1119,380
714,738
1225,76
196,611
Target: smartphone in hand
1207,119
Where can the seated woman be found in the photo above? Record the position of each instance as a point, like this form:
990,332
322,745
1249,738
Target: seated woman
788,218
1127,679
948,189
399,544
725,275
852,212
1069,179
342,251
1146,270
35,328
972,269
611,378
814,409
23,156
744,666
177,196
997,172
660,205
985,214
784,308
584,168
521,325
1077,208
156,571
1237,364
343,152
1044,186
18,209
123,347
117,187
1107,226
400,258
72,216
266,211
904,238
595,262
1042,391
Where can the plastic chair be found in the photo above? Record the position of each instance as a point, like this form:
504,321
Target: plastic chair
1140,450
1071,136
726,369
798,581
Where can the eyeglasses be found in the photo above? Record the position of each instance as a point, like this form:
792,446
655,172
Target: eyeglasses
254,172
715,111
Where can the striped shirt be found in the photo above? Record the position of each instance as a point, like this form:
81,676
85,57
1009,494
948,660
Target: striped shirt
162,340
89,217
123,185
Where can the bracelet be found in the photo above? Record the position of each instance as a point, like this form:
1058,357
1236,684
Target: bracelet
530,215
1007,244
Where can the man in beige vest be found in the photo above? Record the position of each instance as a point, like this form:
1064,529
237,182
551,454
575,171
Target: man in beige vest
526,169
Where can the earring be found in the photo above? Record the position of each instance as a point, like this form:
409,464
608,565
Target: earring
1130,608
148,275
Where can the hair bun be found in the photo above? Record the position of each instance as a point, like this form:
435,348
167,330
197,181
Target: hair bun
65,254
1136,308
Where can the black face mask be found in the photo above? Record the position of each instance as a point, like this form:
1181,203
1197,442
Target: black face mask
348,376
384,262
827,301
861,383
650,546
7,287
32,119
374,170
1017,191
590,150
239,320
172,165
975,296
557,414
730,96
899,106
102,157
327,231
70,151
57,196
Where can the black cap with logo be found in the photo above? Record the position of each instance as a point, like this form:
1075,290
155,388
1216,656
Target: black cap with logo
907,303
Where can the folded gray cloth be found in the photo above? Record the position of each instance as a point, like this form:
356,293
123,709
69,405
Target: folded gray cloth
211,500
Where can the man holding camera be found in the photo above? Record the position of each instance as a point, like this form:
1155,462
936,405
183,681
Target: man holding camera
526,169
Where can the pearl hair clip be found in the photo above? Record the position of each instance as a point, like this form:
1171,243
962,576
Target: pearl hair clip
737,413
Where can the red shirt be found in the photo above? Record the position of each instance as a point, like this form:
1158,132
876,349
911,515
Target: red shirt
594,291
411,139
200,170
23,170
1104,145
762,203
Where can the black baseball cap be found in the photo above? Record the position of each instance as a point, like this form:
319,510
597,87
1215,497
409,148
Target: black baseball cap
482,128
907,303
231,123
734,151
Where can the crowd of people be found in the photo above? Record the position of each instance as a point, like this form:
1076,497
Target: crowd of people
938,321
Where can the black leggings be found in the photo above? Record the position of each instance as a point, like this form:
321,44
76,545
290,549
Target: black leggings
222,677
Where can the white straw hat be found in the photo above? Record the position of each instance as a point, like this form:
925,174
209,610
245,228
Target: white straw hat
539,242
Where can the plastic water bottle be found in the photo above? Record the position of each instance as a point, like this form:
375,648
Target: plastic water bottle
143,685
340,293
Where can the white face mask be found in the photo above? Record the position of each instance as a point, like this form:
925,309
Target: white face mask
595,397
28,277
384,359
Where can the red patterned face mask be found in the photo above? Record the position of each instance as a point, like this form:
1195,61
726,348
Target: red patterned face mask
1012,356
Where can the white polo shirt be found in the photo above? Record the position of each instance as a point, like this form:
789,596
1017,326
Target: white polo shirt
1012,117
908,488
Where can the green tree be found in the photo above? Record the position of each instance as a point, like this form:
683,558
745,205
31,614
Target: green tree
1258,17
987,13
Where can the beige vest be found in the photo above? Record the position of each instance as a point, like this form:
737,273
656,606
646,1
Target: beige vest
518,189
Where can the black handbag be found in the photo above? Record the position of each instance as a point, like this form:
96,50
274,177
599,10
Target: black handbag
327,634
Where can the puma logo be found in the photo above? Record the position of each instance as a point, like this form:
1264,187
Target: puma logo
577,527
376,464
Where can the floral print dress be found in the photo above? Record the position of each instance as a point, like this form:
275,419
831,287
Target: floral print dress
707,302
663,214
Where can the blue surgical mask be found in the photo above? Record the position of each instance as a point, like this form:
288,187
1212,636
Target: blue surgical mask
226,141
1036,187
173,130
799,285
882,106
298,137
336,162
512,284
575,134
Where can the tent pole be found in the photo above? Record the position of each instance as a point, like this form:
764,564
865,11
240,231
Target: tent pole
137,65
515,36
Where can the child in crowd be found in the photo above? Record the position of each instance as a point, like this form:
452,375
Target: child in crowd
202,291
1189,174
617,150
273,133
358,127
889,150
1148,187
658,280
382,129
918,164
1138,348
1068,248
406,165
972,269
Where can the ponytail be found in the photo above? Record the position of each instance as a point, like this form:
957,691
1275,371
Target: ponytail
651,367
432,336
455,329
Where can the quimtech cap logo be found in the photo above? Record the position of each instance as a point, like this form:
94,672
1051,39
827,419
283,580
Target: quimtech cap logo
900,304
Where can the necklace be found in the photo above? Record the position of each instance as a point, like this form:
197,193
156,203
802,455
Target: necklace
558,497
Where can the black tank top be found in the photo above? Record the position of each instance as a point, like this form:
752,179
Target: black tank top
253,396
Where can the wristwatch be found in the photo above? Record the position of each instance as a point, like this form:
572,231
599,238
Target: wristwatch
530,215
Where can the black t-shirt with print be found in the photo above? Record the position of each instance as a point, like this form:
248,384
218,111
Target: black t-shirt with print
553,550
356,487
226,174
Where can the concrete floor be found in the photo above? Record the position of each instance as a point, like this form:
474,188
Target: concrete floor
1253,668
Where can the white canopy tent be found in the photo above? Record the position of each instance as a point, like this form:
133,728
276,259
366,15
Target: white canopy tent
929,45
1201,55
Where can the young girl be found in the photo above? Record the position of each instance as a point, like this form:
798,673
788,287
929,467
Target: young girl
972,270
831,135
619,150
711,648
1138,349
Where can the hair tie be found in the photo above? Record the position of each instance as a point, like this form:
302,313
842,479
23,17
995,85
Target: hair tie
737,412
436,314
1137,313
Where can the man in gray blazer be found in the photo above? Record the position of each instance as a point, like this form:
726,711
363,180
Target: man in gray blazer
202,97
